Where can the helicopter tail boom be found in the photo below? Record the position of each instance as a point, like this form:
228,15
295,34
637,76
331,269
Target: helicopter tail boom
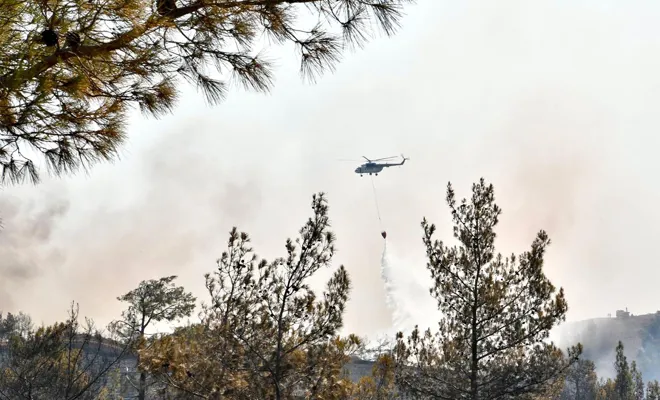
403,161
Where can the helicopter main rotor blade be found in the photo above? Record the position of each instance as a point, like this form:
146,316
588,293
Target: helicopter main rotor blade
384,158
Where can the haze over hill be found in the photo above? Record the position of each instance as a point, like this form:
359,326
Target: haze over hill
640,335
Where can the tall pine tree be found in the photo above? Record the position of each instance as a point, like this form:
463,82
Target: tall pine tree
581,381
623,383
496,314
265,333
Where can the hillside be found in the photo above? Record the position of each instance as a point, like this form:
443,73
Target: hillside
640,335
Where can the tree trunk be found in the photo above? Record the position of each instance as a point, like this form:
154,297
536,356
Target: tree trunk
474,339
142,390
474,394
474,348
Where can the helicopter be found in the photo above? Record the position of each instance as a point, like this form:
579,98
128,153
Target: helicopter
371,167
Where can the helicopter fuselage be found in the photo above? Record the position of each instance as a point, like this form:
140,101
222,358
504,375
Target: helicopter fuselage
369,168
373,168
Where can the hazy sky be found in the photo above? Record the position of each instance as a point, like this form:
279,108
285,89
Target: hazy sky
555,102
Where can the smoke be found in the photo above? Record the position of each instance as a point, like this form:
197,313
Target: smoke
92,240
27,227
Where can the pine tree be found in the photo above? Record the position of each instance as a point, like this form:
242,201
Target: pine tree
265,334
653,390
623,383
497,314
152,302
71,69
581,381
638,382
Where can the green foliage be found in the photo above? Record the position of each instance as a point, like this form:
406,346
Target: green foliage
69,101
265,334
496,314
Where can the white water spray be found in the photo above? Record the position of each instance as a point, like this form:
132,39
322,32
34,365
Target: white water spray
401,318
407,294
